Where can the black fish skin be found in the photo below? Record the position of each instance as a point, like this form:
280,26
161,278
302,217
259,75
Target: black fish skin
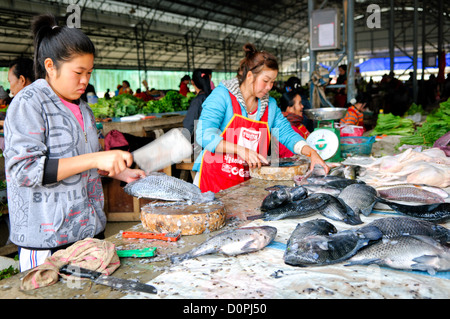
282,195
337,210
406,226
437,213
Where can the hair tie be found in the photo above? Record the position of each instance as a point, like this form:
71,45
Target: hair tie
55,26
203,74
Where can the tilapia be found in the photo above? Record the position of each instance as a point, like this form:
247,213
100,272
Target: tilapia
312,188
163,187
360,197
281,195
437,213
343,183
406,252
404,226
232,242
337,210
314,247
301,208
413,193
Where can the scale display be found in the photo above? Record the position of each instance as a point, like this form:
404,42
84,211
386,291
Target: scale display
325,142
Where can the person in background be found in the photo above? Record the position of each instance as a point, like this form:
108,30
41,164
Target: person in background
52,155
292,108
107,94
5,99
89,89
202,86
354,114
20,74
125,89
236,122
184,90
341,94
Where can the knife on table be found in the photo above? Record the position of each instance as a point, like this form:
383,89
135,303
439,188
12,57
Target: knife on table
114,282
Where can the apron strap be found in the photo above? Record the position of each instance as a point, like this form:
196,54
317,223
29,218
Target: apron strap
237,108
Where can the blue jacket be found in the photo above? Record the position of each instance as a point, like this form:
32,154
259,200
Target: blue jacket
217,113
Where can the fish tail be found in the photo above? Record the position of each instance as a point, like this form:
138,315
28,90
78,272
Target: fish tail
426,263
364,262
179,258
371,232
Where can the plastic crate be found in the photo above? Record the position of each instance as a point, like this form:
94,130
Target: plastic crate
356,145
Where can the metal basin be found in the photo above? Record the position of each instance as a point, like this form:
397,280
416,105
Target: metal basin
325,113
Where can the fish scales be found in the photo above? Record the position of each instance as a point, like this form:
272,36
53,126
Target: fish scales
164,187
410,194
360,197
337,210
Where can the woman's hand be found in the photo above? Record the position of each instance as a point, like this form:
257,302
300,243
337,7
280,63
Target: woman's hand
252,158
315,158
130,175
114,162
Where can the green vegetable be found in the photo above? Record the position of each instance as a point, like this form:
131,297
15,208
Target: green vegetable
390,124
414,108
8,272
173,101
117,106
276,95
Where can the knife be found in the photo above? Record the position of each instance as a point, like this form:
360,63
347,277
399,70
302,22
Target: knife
114,282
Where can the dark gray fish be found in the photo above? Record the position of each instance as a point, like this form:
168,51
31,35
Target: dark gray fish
308,248
323,179
281,195
343,183
406,252
301,208
405,226
360,197
336,209
163,187
232,242
312,188
437,213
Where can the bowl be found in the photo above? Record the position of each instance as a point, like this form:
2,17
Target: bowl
325,113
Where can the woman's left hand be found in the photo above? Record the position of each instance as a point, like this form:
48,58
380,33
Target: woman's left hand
130,175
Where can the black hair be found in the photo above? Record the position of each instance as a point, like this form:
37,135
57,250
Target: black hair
201,80
24,67
254,62
126,82
287,100
60,44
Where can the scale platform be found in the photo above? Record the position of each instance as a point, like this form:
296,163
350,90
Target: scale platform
326,140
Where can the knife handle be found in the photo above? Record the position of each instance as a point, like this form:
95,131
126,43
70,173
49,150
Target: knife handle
80,272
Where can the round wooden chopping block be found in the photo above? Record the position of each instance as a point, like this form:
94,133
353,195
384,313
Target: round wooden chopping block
194,219
279,173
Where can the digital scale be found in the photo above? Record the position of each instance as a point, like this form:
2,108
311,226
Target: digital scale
326,140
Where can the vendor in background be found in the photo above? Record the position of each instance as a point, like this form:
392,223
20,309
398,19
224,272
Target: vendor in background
20,74
236,122
340,97
201,82
52,154
185,80
354,114
125,89
292,108
5,99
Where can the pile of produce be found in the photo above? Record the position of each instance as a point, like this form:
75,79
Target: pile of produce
389,124
127,104
436,125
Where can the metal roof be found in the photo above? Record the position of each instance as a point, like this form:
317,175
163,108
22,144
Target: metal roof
187,34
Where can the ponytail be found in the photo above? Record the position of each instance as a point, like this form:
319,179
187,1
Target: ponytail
255,61
60,44
202,81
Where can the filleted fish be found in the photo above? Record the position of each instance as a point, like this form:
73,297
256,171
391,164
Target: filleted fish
407,253
405,226
360,197
321,245
163,187
232,242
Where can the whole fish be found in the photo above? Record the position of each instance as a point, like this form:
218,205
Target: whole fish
322,180
433,189
405,226
406,252
163,187
336,209
437,213
312,188
301,208
343,183
281,195
360,197
308,248
410,194
232,242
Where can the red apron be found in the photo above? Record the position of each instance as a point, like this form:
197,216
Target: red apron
220,171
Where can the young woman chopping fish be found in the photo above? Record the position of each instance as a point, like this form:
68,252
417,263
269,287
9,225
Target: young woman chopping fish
52,157
236,122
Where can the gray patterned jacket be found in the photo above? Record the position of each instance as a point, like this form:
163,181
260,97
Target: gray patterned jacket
39,130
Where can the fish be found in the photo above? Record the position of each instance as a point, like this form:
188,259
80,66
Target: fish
343,183
163,187
337,210
281,195
232,243
437,213
312,188
301,208
321,245
405,226
413,193
323,179
360,197
413,252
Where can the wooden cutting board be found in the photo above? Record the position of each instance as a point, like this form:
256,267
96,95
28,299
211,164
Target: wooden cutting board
194,219
285,170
